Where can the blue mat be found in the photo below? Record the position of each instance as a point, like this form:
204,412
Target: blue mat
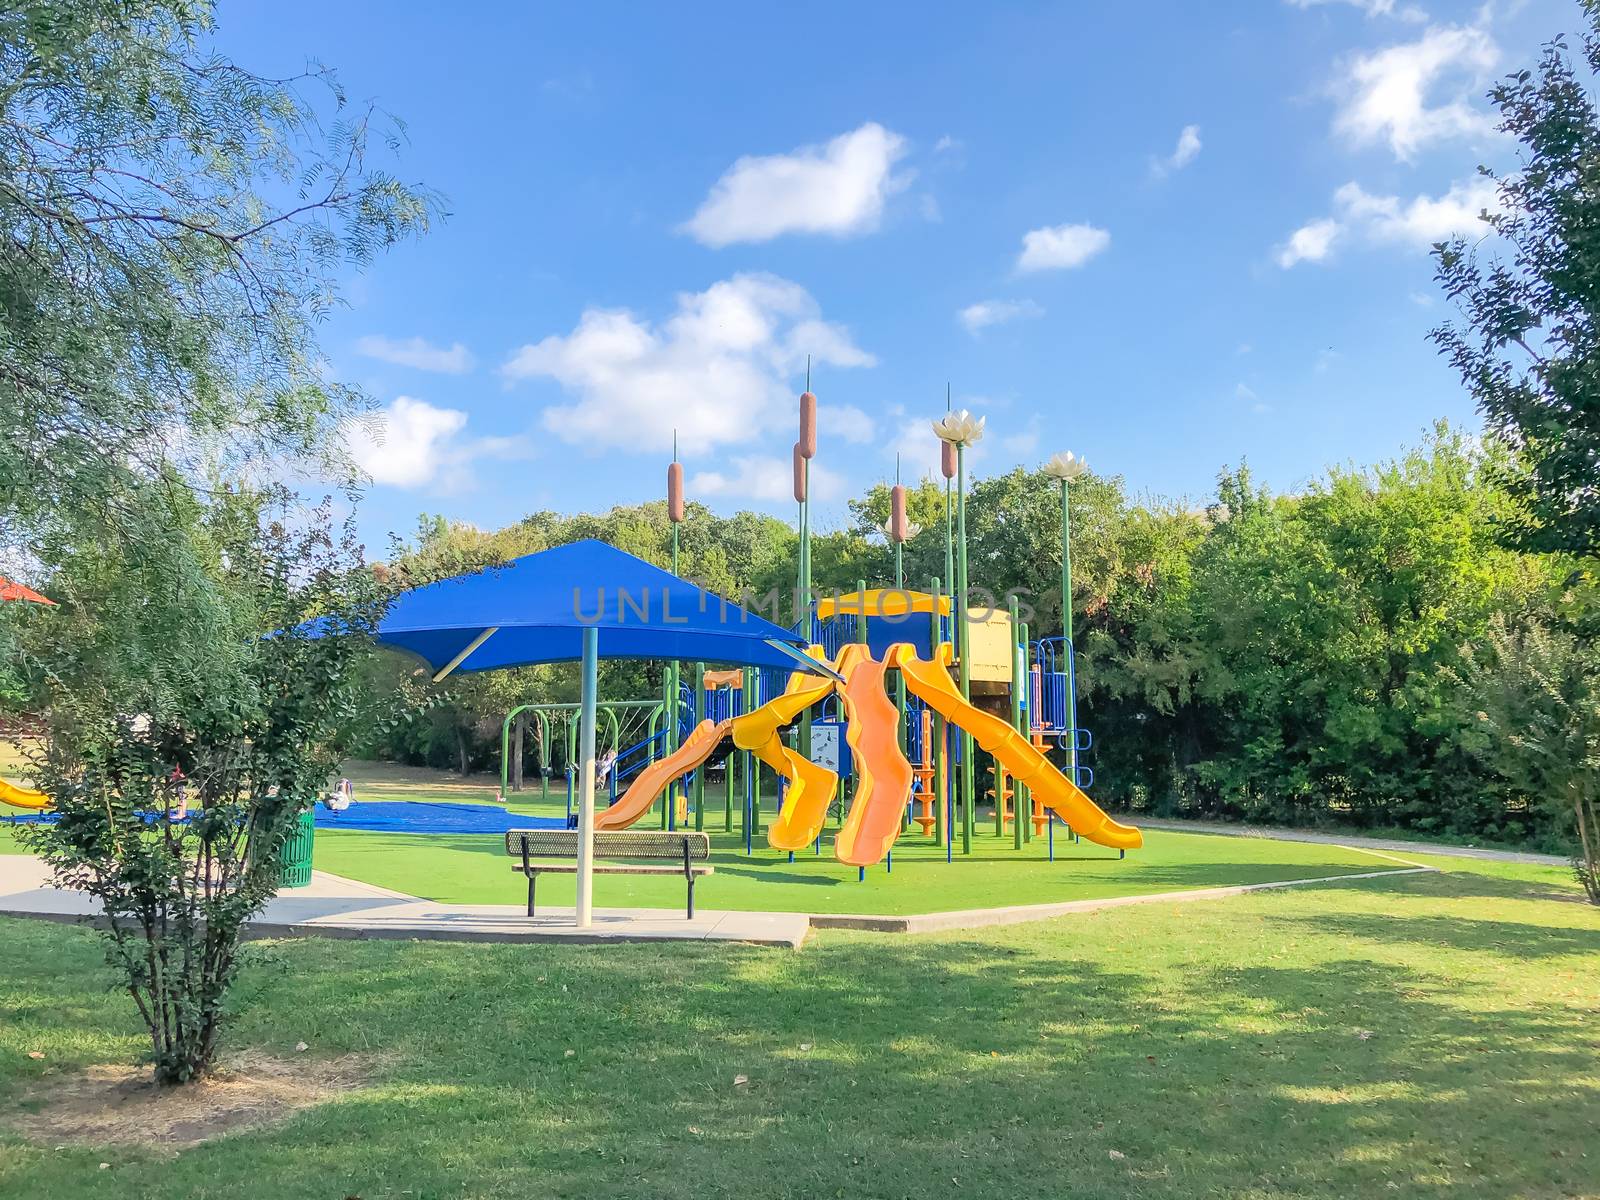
394,816
405,816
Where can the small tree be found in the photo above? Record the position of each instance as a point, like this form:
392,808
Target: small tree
1539,687
176,787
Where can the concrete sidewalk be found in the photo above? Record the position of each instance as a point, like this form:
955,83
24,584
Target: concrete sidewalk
333,906
337,907
1355,842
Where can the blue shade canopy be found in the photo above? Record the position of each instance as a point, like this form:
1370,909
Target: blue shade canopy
539,605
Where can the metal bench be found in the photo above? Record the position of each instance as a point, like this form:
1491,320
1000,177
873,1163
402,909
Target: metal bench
687,852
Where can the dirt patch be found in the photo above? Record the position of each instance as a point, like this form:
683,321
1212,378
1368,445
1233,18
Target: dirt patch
113,1104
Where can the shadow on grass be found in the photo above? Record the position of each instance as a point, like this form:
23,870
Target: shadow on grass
1272,1058
1460,933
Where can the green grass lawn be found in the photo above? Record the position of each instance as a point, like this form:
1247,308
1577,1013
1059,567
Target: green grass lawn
1419,1035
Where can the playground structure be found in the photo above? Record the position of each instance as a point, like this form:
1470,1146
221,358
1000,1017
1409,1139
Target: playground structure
20,797
900,748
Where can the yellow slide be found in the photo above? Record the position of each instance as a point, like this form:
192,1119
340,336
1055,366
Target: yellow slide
811,787
642,793
22,797
883,776
931,681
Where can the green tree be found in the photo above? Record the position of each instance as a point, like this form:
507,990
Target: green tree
1539,686
175,226
175,790
1528,347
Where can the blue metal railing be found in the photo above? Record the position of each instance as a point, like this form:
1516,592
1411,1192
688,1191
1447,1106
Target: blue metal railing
1055,682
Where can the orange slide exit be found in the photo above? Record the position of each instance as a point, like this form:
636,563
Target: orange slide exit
642,792
931,681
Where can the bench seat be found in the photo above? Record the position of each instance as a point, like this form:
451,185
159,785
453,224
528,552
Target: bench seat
685,854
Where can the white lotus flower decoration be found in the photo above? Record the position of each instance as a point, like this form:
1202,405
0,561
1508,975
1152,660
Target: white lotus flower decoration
960,428
912,529
1065,467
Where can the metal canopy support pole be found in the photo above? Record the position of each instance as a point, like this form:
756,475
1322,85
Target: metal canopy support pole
591,671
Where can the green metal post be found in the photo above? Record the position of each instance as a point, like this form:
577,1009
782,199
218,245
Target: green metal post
803,598
1066,627
700,772
1017,676
963,651
1024,720
727,774
753,764
899,679
941,828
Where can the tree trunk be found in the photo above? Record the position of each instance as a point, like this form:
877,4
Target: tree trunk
516,753
461,749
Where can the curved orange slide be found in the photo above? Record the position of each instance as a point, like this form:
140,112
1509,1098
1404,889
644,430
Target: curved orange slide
22,797
642,793
883,776
931,681
811,787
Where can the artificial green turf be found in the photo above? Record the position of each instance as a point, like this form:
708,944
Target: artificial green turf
474,869
1421,1035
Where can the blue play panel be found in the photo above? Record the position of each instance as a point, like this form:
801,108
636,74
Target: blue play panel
405,816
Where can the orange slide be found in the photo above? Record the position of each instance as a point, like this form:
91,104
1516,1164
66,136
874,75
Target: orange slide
931,681
883,775
642,793
811,787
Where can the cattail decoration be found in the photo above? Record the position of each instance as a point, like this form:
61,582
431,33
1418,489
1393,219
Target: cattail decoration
947,459
897,513
808,425
675,493
799,474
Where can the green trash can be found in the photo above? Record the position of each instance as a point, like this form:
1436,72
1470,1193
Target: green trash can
297,852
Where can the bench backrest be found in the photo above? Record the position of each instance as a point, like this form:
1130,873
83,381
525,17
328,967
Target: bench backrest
563,843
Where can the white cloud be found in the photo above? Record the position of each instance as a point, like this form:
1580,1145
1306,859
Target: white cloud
1415,223
845,422
406,443
913,442
1422,220
765,478
1373,8
1386,94
1024,443
715,371
1184,153
946,143
979,316
836,189
1061,247
1310,243
418,353
1247,395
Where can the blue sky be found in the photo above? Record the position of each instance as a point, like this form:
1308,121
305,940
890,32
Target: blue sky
1167,237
